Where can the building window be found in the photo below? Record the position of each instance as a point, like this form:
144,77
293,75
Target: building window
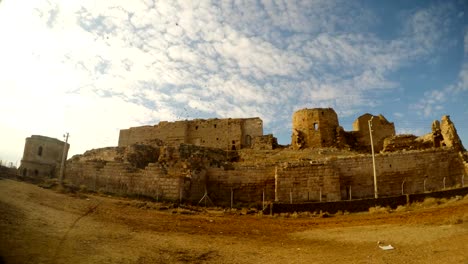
36,173
39,151
214,125
316,126
196,127
25,172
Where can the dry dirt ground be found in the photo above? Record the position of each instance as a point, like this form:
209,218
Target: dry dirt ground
44,226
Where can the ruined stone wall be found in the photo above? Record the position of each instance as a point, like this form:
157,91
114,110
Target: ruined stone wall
218,133
412,167
170,132
307,181
123,179
314,128
381,129
42,156
450,135
247,183
191,169
267,142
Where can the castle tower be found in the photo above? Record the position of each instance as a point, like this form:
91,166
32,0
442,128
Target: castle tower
42,156
314,128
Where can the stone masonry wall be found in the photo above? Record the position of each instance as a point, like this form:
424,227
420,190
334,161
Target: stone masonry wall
225,134
306,181
247,182
333,178
122,179
412,168
381,129
314,128
42,156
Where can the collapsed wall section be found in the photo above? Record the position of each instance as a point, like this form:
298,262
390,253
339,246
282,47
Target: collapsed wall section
381,129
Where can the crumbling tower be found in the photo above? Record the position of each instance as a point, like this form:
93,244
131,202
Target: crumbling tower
314,128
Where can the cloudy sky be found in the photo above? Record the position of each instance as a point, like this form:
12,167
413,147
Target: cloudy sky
93,67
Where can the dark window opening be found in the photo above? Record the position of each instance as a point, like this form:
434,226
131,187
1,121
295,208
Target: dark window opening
36,172
390,165
233,142
248,140
39,151
214,125
196,127
322,112
25,172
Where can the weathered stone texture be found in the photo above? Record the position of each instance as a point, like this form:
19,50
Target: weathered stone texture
405,142
267,142
412,167
450,135
381,129
307,181
42,156
218,133
314,128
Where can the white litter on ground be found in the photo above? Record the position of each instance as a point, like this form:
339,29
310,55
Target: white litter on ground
383,247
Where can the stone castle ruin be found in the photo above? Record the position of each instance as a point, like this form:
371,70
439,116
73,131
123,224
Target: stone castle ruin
319,128
228,134
42,156
225,158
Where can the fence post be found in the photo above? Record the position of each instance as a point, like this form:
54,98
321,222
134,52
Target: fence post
290,196
232,197
350,194
403,187
424,184
263,200
320,194
444,182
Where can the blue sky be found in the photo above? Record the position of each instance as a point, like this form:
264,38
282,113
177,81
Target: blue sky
93,67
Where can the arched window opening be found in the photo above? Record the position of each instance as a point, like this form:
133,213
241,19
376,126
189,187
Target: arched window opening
39,151
316,126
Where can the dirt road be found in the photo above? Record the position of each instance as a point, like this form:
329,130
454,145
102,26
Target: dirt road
44,226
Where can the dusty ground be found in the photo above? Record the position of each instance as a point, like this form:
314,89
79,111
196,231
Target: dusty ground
44,226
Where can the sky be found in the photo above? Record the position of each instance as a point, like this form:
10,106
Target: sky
91,68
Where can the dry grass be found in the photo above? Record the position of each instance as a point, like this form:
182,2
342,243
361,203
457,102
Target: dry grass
380,210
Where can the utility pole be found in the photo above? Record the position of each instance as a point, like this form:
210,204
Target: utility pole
64,153
373,158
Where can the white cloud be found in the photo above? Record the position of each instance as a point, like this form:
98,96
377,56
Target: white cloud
101,66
